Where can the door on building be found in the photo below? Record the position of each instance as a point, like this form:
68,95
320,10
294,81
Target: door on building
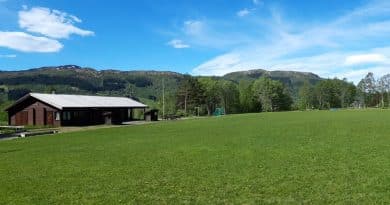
49,118
107,118
21,118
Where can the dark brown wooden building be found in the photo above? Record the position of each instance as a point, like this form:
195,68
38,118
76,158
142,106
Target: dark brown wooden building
71,110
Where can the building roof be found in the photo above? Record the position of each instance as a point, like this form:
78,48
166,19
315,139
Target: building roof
61,101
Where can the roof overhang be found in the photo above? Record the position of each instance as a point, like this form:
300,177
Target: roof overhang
17,102
26,97
105,107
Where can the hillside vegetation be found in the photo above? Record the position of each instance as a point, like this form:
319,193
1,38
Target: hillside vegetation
319,157
76,80
294,80
146,86
186,95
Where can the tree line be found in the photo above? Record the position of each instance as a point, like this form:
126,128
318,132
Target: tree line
203,95
336,93
187,95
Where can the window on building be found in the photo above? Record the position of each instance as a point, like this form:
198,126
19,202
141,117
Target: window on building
57,116
66,115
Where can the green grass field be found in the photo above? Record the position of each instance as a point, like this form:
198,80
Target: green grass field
296,157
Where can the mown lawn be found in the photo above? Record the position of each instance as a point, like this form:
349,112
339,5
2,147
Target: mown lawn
297,157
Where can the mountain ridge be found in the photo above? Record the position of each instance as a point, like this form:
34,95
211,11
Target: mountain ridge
146,84
79,68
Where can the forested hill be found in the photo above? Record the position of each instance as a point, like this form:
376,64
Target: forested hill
77,80
291,79
146,85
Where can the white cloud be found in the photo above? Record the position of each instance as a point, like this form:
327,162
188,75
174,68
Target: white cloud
51,23
208,34
193,27
364,59
7,55
220,65
243,12
356,75
328,49
176,43
24,42
48,25
327,65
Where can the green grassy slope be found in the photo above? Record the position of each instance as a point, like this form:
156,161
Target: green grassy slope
296,157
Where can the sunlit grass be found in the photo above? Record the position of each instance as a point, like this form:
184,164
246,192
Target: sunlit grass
295,157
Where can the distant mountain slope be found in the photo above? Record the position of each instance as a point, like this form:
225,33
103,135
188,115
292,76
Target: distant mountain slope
284,76
75,79
291,79
143,84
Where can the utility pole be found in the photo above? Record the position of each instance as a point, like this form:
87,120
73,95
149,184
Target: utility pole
163,97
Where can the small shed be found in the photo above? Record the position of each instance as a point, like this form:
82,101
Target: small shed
151,115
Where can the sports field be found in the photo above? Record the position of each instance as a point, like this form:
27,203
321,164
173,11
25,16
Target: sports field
318,157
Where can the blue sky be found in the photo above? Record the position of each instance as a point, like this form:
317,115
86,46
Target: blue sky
330,37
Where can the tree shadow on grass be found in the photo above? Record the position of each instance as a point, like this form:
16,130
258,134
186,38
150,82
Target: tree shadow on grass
10,151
